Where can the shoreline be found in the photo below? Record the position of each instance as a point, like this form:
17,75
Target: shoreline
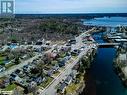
118,70
80,90
89,60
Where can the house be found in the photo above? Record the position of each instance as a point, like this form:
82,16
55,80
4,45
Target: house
62,63
62,87
16,78
55,68
4,82
32,87
38,80
73,74
50,72
68,80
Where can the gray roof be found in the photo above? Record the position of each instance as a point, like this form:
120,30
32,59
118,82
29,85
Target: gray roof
63,85
68,78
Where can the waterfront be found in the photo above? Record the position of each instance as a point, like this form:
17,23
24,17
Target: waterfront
62,61
106,21
101,78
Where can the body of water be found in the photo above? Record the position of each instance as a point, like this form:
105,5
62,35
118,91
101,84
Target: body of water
106,21
101,79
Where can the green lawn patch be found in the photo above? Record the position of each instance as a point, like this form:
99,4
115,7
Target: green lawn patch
7,66
47,82
54,62
62,55
72,88
75,57
62,68
75,86
10,87
56,73
1,60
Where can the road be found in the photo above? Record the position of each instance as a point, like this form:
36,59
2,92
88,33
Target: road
50,89
13,68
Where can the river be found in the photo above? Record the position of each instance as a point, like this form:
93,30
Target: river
101,79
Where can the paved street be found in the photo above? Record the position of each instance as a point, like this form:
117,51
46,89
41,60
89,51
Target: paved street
50,90
13,68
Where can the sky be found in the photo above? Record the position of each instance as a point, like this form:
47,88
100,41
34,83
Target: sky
70,6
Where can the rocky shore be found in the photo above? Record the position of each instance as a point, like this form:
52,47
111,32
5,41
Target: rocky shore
86,60
120,64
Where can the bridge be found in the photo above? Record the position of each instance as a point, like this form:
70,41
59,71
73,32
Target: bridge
108,44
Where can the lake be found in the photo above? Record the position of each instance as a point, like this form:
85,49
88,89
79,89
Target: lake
106,21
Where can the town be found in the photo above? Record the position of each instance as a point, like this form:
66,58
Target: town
53,56
63,47
44,67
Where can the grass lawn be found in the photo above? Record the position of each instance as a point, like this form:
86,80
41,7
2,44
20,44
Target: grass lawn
9,65
75,57
10,87
47,82
56,73
1,60
74,86
71,61
62,55
54,62
62,68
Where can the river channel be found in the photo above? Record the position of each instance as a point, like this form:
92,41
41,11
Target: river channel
101,79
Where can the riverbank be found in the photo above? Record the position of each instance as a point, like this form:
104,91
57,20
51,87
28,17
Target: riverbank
101,78
84,64
120,64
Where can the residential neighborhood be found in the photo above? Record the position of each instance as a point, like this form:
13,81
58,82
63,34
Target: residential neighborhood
36,66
